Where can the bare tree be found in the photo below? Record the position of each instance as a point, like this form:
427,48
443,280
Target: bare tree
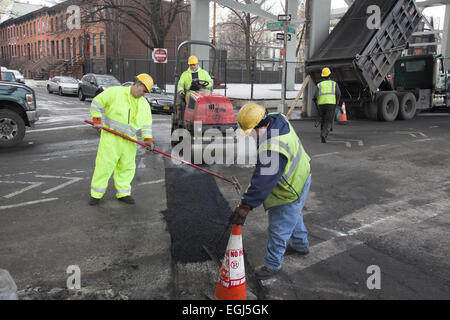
251,27
148,20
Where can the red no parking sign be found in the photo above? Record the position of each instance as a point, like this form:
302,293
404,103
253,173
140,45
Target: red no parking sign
160,55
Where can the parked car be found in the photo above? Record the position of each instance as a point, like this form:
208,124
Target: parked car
17,111
19,77
93,84
8,76
63,85
159,101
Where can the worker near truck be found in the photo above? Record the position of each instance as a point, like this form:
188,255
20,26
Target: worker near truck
326,96
127,112
189,82
281,182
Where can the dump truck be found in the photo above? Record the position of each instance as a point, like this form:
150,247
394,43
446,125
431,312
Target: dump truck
362,53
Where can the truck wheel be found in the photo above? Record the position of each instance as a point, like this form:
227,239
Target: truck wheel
407,109
12,128
388,106
81,96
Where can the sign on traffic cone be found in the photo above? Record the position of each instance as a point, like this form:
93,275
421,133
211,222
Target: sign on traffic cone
343,118
231,284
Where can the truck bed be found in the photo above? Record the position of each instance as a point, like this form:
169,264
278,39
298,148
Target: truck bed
360,58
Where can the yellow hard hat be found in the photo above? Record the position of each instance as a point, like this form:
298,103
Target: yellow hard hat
250,116
192,60
326,72
146,80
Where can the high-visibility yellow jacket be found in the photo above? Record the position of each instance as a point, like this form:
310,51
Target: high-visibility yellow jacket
186,80
123,112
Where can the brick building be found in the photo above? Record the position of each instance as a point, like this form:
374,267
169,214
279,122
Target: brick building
41,44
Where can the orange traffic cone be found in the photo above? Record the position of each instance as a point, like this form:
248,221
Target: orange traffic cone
231,284
343,118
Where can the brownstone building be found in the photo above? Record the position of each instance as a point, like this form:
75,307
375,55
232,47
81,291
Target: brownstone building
42,44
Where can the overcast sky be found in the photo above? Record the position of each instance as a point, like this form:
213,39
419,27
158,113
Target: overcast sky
438,11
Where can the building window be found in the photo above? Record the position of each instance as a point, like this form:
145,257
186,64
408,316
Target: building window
48,51
74,45
51,25
34,28
57,49
94,45
27,31
56,24
62,49
80,45
39,27
53,48
102,44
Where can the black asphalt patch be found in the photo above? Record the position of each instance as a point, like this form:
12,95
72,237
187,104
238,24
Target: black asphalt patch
196,215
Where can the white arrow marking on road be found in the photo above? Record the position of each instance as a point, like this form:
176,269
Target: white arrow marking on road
32,186
27,203
72,180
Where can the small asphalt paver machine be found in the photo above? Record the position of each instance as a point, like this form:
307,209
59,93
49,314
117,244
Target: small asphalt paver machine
203,110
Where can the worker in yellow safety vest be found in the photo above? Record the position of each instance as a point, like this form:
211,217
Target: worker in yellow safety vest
127,112
327,96
193,79
280,181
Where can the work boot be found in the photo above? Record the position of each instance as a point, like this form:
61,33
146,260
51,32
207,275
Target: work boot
264,273
127,200
291,251
93,201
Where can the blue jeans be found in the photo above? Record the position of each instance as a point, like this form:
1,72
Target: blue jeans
286,222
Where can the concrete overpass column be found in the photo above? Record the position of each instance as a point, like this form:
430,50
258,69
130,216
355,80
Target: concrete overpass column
291,58
446,38
319,30
200,30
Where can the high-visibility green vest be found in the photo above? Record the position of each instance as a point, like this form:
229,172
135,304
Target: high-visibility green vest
297,168
327,92
123,112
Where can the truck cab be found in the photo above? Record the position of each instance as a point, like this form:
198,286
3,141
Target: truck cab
426,78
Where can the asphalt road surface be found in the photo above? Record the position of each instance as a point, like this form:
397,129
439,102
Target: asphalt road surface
379,197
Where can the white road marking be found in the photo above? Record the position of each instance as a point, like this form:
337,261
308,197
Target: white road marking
375,227
72,180
58,128
27,203
32,186
325,154
424,140
152,182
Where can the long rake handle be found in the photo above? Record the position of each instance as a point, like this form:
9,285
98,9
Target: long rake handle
168,155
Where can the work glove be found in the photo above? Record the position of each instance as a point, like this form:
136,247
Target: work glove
195,86
97,124
240,214
150,145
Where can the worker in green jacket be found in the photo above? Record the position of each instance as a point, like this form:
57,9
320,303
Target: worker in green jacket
127,112
193,79
327,96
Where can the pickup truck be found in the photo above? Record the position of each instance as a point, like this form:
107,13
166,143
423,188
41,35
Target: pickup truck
17,111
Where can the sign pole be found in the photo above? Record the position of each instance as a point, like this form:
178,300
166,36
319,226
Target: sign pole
283,76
